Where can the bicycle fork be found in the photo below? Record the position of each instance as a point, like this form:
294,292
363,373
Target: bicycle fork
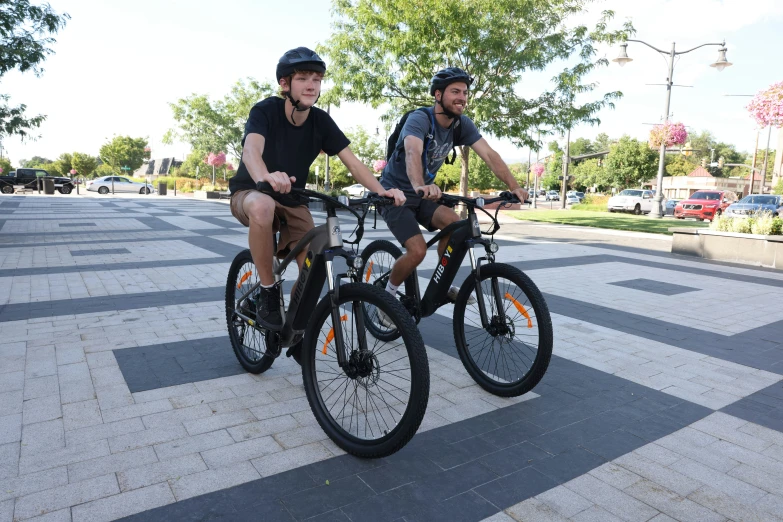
475,264
333,293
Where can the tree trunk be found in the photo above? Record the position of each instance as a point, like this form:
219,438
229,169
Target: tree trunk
463,178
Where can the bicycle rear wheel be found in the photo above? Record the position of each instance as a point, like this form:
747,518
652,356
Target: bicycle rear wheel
510,356
373,406
251,345
379,258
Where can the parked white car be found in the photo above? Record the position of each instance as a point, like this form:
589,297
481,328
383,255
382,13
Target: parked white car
104,185
632,200
356,191
572,199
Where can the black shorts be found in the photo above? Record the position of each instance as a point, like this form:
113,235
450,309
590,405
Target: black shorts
404,221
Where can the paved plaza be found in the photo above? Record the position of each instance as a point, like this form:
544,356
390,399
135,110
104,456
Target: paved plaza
120,395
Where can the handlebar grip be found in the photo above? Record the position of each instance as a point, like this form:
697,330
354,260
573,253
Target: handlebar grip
264,186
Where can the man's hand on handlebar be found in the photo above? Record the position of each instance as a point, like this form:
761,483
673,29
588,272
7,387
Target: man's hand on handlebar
280,181
399,197
431,192
521,194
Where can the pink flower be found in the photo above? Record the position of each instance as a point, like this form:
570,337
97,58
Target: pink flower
229,166
216,160
537,169
73,172
379,165
767,106
669,133
1,170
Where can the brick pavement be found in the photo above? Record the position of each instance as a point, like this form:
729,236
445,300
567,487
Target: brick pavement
119,394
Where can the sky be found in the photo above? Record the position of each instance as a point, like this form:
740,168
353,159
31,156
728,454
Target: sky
118,65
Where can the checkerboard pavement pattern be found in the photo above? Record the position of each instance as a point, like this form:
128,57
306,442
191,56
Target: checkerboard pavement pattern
120,396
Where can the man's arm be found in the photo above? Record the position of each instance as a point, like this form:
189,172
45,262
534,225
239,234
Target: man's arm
414,148
498,167
252,156
362,174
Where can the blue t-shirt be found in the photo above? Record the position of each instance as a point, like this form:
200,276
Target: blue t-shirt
439,147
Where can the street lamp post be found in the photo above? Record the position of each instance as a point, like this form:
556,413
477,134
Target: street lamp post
720,64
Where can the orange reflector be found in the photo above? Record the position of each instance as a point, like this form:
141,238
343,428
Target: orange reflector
330,335
521,309
243,279
369,271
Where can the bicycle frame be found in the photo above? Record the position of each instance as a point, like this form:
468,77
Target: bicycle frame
465,235
325,242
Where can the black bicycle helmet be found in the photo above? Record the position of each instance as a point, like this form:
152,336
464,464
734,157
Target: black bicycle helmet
446,77
299,59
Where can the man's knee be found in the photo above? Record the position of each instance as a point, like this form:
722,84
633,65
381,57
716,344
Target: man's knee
416,248
261,210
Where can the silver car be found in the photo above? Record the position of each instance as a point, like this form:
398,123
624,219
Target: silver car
121,184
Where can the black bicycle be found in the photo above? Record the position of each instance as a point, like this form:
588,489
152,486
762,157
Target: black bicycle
368,395
504,334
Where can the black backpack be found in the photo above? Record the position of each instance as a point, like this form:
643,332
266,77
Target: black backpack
391,145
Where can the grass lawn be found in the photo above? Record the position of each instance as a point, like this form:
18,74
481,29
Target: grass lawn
615,221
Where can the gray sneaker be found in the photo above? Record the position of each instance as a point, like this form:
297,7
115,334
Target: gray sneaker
454,291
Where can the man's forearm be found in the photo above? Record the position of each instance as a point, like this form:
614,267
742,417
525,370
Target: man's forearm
414,168
256,167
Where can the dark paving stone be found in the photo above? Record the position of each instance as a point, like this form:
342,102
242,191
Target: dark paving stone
104,252
514,458
513,489
324,498
614,444
765,407
467,506
23,311
655,287
569,464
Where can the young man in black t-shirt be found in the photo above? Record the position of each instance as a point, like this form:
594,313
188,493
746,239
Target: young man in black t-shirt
283,136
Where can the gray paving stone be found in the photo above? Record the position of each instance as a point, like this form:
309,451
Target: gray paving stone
240,451
194,444
143,438
290,459
533,509
10,428
44,436
300,436
671,503
263,428
12,381
104,431
216,422
41,409
730,486
27,484
42,460
175,416
124,504
76,391
65,496
614,475
136,410
157,472
9,460
595,514
498,517
659,474
110,463
212,480
728,506
565,501
617,502
81,414
7,510
41,387
11,403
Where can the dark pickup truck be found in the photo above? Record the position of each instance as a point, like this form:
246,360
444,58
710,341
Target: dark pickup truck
28,179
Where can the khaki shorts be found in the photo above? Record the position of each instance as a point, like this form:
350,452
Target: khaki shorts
292,222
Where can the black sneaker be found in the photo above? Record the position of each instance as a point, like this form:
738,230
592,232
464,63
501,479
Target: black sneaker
296,352
268,307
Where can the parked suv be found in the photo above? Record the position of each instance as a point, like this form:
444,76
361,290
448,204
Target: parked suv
705,204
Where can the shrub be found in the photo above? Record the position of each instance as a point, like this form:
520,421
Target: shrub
762,224
741,226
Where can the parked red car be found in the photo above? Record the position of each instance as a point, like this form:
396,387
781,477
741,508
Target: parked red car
704,204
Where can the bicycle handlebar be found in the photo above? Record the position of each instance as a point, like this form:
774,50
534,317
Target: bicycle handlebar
297,195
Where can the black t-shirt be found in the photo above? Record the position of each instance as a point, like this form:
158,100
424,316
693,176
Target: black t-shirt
288,148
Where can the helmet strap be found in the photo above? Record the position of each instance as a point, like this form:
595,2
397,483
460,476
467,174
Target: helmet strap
449,114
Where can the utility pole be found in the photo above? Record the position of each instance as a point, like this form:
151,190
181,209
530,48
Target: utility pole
566,161
753,166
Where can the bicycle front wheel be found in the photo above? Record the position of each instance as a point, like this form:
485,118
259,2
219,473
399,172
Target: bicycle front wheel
509,355
373,405
251,345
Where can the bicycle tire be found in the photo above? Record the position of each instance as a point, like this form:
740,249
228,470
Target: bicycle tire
508,387
238,329
409,421
372,270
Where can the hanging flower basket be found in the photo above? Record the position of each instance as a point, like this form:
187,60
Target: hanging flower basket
767,106
669,133
537,169
379,165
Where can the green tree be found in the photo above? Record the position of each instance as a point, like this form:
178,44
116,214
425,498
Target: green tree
448,176
481,177
630,162
589,173
84,164
366,147
382,51
103,170
679,165
701,143
5,164
61,166
581,146
35,160
25,42
209,126
601,142
123,151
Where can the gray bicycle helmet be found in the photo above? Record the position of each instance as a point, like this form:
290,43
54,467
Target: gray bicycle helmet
446,77
299,59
